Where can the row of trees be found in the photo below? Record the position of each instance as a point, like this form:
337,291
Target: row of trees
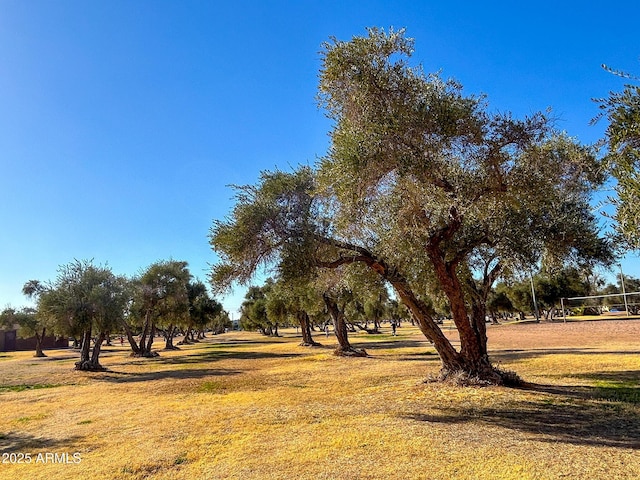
89,303
425,191
274,304
349,305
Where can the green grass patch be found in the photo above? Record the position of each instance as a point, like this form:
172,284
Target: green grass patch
618,391
179,460
30,419
23,387
212,387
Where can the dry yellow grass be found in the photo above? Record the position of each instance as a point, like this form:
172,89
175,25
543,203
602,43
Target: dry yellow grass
243,406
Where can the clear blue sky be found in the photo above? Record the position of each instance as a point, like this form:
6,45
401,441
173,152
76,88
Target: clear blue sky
122,122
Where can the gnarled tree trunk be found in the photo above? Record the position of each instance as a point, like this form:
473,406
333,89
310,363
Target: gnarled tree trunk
147,347
305,327
142,349
39,338
85,347
169,334
89,359
95,354
340,327
188,336
472,361
135,349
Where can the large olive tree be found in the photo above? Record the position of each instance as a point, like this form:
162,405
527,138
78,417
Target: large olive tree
429,184
203,311
297,302
86,299
160,301
424,186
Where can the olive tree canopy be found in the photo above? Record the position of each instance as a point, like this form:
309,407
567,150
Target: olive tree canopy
622,110
424,186
84,299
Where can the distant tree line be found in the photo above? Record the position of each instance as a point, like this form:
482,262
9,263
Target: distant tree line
348,308
90,304
273,305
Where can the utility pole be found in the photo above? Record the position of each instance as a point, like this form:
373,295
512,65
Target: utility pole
533,294
624,293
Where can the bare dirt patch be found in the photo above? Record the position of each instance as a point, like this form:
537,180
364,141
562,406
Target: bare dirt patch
569,334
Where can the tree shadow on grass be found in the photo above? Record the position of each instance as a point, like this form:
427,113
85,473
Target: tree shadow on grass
70,355
615,386
392,344
19,442
239,341
626,376
426,356
514,355
576,415
177,374
211,356
203,357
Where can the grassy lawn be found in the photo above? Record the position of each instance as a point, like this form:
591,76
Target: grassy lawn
243,406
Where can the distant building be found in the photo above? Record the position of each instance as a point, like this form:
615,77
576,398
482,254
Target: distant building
9,341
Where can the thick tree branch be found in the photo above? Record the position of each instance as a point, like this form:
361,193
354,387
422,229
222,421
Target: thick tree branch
342,261
448,231
343,245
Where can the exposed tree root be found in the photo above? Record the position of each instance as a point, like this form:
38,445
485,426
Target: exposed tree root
87,366
462,378
145,354
353,352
